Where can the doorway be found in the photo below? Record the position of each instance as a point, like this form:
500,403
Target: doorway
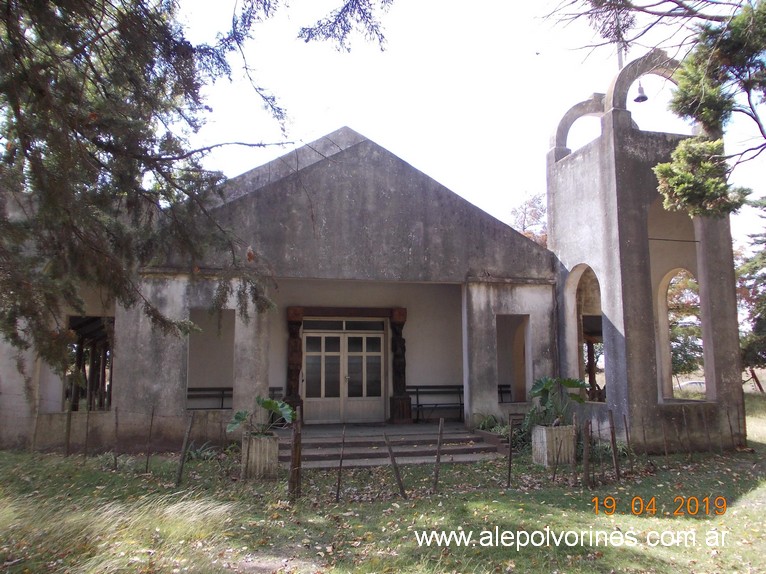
343,371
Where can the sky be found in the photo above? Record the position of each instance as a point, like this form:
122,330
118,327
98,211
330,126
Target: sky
469,96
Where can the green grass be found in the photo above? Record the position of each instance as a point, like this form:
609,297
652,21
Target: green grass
80,516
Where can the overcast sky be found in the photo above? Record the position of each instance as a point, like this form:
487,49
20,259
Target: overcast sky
469,96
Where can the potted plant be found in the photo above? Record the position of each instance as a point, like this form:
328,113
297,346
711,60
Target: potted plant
260,446
553,439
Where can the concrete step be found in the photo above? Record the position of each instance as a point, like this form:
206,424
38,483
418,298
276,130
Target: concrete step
380,451
368,448
405,460
372,440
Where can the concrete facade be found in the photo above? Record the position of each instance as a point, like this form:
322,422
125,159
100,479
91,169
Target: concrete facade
346,228
606,215
447,294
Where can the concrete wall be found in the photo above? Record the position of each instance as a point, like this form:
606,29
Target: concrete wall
37,389
483,302
605,214
211,350
364,214
151,369
433,330
346,224
17,397
128,431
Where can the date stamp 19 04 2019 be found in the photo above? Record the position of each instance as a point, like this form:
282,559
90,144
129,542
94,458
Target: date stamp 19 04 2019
682,506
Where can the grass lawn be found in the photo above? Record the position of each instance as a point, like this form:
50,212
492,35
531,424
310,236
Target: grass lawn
79,515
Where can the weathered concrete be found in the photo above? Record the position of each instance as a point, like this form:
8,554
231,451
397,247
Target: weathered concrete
341,223
347,228
605,214
484,302
364,214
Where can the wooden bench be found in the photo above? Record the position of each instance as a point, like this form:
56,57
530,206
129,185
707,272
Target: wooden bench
430,398
504,394
213,395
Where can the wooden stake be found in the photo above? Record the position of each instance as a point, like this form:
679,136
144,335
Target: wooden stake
665,441
184,449
707,431
643,431
87,429
116,436
510,450
586,454
556,459
678,437
149,441
613,440
395,467
340,463
720,434
600,450
731,430
627,438
740,428
438,455
68,430
688,434
755,379
296,463
574,459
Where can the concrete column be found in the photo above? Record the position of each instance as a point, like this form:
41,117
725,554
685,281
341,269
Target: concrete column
718,310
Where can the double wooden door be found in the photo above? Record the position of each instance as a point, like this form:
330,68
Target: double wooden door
343,378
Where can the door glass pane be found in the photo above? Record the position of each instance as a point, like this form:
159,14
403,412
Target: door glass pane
313,344
355,374
321,325
373,344
364,325
355,344
313,376
332,344
331,376
374,376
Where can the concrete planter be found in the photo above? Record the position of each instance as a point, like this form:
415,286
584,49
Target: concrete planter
260,456
553,445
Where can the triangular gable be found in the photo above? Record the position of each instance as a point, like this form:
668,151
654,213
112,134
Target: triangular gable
359,212
292,162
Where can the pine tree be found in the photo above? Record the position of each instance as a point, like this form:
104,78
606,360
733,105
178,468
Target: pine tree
97,176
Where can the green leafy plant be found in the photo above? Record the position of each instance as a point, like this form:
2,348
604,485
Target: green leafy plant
280,409
554,400
206,451
487,422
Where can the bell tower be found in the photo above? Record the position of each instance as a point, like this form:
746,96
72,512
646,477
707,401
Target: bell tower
617,248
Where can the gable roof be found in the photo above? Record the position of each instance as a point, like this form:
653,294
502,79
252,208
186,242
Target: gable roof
296,160
346,208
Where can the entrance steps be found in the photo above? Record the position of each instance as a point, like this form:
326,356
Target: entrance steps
366,446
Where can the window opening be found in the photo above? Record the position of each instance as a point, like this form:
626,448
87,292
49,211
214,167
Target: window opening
89,376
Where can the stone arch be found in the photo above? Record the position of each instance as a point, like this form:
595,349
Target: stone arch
590,107
655,62
664,358
584,320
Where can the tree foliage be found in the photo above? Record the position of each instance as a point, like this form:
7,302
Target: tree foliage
722,73
695,180
725,74
684,321
530,218
752,284
353,15
97,176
